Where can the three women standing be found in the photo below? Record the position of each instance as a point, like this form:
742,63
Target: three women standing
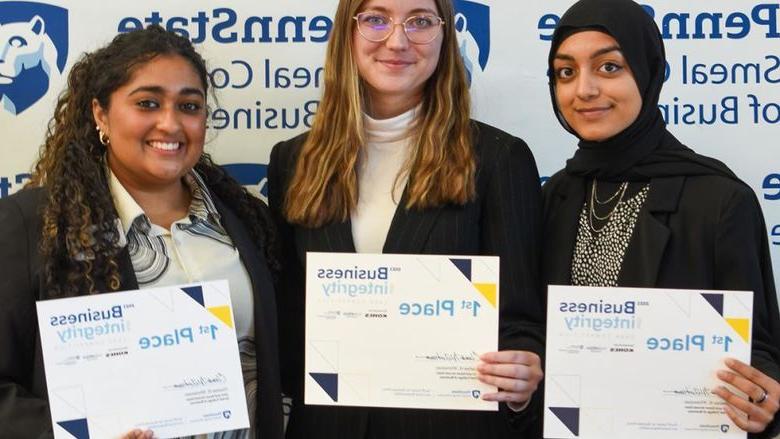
394,164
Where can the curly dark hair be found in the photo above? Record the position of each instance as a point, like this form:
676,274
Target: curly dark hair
79,245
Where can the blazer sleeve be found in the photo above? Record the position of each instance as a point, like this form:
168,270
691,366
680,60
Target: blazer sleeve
742,262
512,230
289,300
22,413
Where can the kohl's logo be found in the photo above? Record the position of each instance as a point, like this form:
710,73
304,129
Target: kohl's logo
33,52
252,175
472,26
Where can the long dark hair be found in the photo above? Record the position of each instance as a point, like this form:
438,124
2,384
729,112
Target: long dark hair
79,245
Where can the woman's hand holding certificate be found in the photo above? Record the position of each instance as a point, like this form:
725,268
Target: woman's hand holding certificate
516,374
755,412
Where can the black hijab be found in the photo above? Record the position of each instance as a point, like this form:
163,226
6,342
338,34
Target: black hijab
645,149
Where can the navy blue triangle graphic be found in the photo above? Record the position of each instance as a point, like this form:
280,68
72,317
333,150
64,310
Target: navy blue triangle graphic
77,427
570,416
196,293
329,383
716,300
464,265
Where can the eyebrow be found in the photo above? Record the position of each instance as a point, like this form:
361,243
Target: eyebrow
156,89
594,55
412,12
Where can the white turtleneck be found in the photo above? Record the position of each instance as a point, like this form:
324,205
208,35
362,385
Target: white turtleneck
381,160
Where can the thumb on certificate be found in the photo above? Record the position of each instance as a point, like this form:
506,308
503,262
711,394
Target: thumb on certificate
512,357
138,434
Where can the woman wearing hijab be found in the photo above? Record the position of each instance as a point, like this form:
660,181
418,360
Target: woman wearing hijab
636,208
393,164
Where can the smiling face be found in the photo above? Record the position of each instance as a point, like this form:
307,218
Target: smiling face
395,70
156,124
594,87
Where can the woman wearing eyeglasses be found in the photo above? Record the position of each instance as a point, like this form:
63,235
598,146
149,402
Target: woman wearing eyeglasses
393,164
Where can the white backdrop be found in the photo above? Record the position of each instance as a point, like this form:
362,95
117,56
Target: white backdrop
722,95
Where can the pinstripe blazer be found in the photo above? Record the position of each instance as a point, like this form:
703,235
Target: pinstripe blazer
504,220
24,410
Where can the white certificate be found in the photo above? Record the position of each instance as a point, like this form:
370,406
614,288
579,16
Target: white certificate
639,363
164,359
400,331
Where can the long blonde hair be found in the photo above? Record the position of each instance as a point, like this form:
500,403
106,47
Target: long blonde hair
441,168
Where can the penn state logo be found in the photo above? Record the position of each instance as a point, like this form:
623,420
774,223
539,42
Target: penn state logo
472,26
724,428
251,175
33,52
475,394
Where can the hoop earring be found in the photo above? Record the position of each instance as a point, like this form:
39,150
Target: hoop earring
102,137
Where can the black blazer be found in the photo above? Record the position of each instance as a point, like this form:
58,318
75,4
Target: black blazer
24,410
503,220
703,232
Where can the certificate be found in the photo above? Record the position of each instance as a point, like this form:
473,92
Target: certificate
164,359
400,331
640,363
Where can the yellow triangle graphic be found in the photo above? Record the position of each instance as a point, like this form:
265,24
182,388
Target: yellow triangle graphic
222,313
489,291
742,326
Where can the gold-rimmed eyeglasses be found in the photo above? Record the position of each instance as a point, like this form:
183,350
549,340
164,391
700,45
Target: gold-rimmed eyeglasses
377,27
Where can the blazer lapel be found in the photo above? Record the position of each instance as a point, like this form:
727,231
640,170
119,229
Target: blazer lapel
126,271
333,237
648,242
338,237
562,225
410,228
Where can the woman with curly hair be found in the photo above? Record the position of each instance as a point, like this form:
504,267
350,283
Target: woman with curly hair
394,164
123,197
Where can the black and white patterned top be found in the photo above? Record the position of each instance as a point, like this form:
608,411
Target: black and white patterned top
149,252
196,248
598,255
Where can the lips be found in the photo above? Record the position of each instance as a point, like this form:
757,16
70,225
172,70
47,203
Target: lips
395,63
593,112
165,146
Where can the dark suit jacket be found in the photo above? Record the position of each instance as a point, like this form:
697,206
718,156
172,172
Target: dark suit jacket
503,220
704,232
24,411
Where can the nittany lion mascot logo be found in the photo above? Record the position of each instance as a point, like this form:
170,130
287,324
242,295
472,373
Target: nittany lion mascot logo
252,175
472,26
33,52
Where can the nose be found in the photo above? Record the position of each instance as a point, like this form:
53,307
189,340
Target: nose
168,120
397,39
587,86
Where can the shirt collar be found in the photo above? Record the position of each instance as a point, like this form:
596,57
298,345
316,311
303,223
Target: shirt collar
126,207
201,207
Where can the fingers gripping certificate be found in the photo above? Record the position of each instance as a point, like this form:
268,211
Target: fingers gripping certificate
400,331
164,359
639,363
